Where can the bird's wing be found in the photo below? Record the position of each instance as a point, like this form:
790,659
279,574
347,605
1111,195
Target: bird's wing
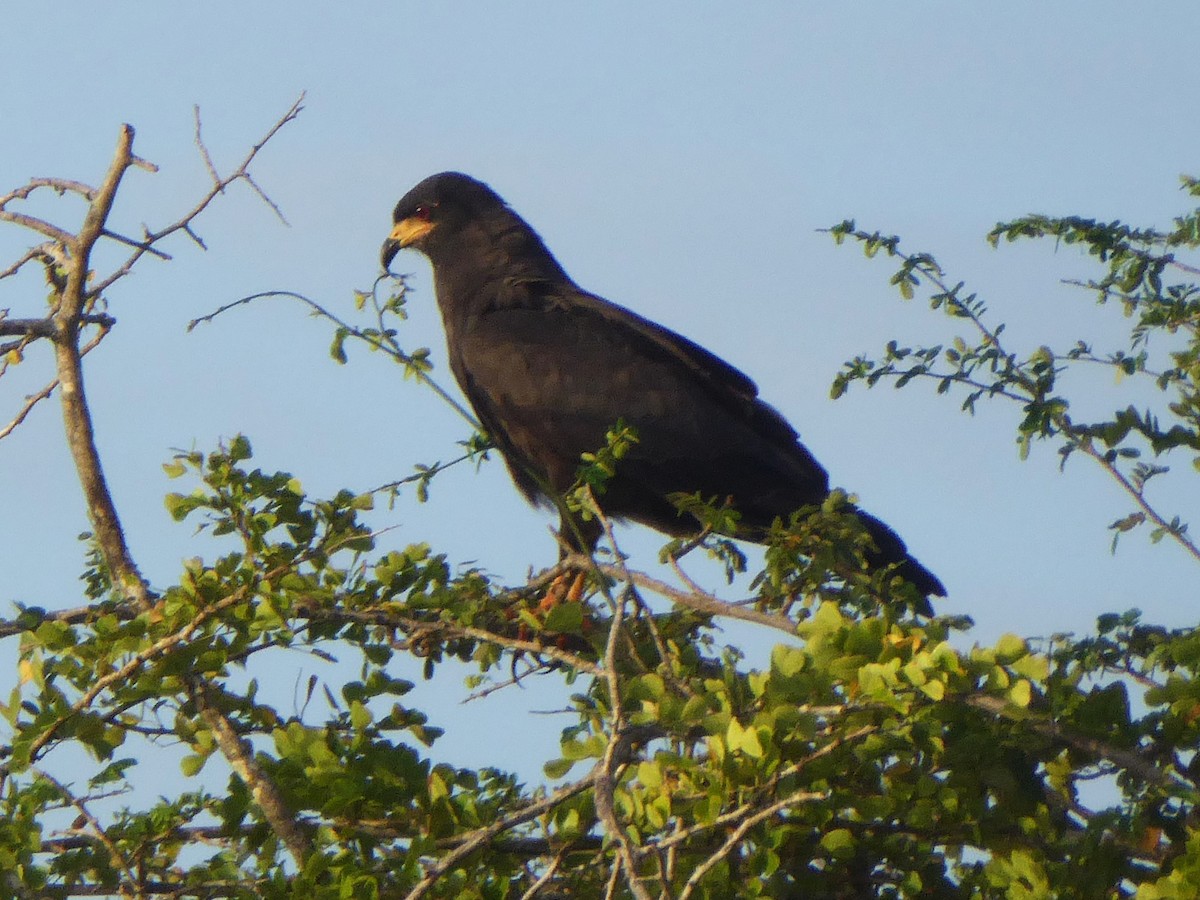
551,374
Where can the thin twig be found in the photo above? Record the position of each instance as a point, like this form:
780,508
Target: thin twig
379,342
1140,499
1046,727
606,770
482,836
132,242
184,223
31,401
391,619
117,857
701,602
536,887
28,256
59,185
735,837
204,154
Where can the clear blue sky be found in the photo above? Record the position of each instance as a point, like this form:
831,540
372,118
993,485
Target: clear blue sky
678,158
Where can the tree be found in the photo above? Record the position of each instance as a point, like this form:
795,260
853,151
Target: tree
870,757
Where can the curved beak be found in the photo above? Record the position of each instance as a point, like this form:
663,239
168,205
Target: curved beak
405,233
388,252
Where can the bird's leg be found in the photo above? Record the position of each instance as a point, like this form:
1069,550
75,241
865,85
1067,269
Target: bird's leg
567,587
574,536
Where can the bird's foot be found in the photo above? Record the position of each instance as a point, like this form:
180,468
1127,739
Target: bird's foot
565,588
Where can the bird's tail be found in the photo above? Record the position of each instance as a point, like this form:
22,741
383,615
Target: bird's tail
892,551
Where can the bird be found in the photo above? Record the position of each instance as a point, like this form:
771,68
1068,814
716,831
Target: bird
549,368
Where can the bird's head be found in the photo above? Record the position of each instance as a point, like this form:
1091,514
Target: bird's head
435,213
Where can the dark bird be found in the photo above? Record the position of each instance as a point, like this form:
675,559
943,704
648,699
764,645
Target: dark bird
550,368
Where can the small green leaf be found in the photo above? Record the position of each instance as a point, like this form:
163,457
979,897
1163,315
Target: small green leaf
839,842
557,768
744,739
565,618
1020,693
360,716
934,690
1010,646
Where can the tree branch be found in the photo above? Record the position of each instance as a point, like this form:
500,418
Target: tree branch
34,399
1046,727
262,788
184,223
482,836
77,417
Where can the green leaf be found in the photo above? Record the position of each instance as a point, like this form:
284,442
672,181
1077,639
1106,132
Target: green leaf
839,842
788,661
935,690
174,469
565,618
1010,646
743,739
557,768
1020,693
360,716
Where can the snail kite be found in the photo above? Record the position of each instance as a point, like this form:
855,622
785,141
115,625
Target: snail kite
550,368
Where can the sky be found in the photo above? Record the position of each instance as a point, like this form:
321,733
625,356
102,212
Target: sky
679,159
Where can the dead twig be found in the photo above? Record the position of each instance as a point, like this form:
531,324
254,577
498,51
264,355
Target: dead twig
185,222
34,399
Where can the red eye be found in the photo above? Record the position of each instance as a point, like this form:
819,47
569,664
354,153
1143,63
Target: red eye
422,212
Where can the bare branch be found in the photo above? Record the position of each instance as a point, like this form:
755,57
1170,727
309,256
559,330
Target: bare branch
204,154
30,402
41,226
77,416
184,223
31,254
46,328
131,242
265,199
59,185
34,399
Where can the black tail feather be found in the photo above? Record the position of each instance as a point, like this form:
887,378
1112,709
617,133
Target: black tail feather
892,550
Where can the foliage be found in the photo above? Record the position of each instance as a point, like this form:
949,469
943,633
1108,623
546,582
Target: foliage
870,756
